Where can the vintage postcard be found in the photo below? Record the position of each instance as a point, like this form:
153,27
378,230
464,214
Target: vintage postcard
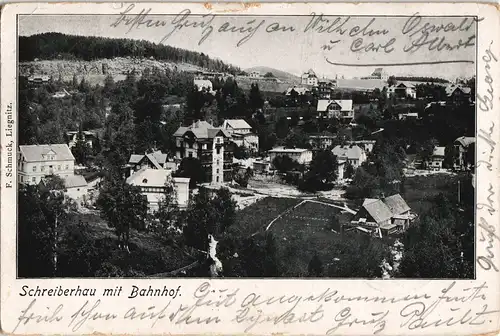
322,169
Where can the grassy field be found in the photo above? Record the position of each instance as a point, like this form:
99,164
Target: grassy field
419,191
257,216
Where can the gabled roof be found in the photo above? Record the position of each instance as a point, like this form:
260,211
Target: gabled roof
465,141
345,104
33,153
378,210
439,151
353,152
148,177
74,181
236,123
287,150
453,87
201,130
157,158
396,204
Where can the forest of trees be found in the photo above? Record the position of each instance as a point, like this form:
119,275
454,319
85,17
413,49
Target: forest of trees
61,46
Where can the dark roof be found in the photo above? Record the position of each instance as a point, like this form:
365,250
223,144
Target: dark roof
396,204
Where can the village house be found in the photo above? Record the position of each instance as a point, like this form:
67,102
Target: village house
352,154
340,109
382,217
261,166
402,90
458,93
90,137
213,146
241,134
301,155
38,79
309,78
325,89
323,140
255,74
156,183
203,85
154,160
437,158
301,90
461,148
38,161
367,145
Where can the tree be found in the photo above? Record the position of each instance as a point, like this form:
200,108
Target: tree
241,177
315,267
255,100
81,150
192,168
348,170
391,81
426,151
324,166
124,207
206,216
269,75
297,139
450,156
283,164
167,216
42,210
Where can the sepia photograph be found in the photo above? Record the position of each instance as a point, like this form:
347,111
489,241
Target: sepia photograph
167,153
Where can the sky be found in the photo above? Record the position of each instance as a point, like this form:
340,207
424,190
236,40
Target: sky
298,50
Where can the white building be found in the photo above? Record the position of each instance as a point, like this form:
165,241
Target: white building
437,158
353,154
299,89
309,78
37,161
254,74
301,155
241,133
204,85
156,183
402,90
76,187
339,108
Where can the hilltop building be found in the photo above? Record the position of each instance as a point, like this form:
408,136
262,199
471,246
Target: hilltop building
458,93
213,146
352,154
203,85
309,78
325,89
378,73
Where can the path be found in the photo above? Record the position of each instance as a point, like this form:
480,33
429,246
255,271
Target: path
345,208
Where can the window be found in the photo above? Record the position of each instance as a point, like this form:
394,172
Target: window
34,168
218,162
190,154
33,179
217,170
217,179
59,167
217,150
22,179
204,146
42,168
67,167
